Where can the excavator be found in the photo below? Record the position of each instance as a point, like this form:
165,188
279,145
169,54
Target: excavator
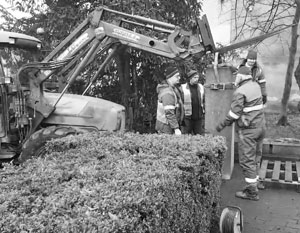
31,114
36,106
21,105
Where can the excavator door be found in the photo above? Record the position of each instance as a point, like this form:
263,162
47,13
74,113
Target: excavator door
2,101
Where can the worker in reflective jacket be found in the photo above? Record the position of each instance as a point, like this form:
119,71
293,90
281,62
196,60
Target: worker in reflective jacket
257,72
193,96
169,113
259,77
247,111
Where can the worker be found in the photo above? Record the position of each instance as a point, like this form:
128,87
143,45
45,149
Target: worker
169,114
256,71
258,75
193,97
247,111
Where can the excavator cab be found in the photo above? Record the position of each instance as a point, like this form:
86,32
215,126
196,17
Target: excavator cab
2,80
25,128
13,123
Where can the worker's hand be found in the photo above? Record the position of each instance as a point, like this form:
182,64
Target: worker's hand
177,132
264,99
220,127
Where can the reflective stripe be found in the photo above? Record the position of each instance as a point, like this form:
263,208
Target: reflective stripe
233,115
261,81
160,114
187,100
168,107
253,108
251,181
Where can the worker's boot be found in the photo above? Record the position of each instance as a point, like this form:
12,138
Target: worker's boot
260,185
250,192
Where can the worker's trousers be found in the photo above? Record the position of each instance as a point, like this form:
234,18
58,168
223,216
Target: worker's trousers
250,142
193,126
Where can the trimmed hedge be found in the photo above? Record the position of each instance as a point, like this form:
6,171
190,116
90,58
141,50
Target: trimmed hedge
115,182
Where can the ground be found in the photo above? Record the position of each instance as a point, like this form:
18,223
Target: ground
290,131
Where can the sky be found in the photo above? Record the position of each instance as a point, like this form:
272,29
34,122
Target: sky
220,31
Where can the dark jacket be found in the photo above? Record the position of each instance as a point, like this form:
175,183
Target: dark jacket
188,103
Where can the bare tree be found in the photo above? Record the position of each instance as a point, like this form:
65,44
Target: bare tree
252,17
289,73
297,71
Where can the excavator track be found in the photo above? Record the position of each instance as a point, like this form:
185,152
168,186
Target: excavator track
34,146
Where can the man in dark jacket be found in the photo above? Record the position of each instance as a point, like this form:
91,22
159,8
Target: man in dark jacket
169,104
193,102
247,111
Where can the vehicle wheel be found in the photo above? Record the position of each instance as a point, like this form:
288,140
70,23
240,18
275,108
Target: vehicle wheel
35,144
231,220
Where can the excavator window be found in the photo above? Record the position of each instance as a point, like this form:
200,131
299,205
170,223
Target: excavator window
2,73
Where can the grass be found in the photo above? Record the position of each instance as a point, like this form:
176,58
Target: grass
292,130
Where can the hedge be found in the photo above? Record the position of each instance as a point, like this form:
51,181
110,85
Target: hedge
115,182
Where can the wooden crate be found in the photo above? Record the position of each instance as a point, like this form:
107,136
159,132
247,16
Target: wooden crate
283,172
282,149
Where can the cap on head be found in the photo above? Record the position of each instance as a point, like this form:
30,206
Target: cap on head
244,70
252,55
170,71
191,73
243,74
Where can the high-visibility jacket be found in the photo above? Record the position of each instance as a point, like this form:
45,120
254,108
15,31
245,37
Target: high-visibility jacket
169,108
187,99
258,76
246,106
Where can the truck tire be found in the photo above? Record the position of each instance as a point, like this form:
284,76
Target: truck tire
231,220
34,146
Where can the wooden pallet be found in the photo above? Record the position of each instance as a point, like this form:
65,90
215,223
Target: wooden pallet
283,172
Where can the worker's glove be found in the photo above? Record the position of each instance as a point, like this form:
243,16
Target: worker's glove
177,132
264,99
220,127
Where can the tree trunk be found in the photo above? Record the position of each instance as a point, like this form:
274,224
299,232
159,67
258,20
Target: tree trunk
135,99
289,74
123,67
297,73
297,77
